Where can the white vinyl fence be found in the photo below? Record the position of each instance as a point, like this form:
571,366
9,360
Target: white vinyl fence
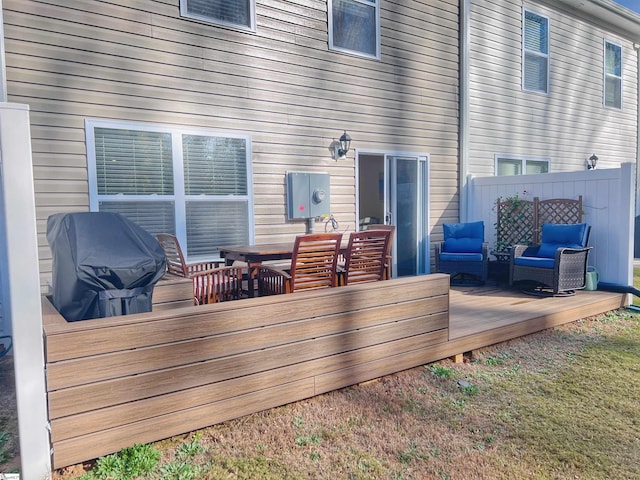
21,292
608,197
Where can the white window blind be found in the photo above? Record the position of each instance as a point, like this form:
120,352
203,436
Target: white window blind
514,165
230,12
507,166
535,38
194,185
612,75
536,166
354,26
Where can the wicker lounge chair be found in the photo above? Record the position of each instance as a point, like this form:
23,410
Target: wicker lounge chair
557,266
464,253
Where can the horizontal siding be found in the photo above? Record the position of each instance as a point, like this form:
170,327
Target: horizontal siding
137,60
568,124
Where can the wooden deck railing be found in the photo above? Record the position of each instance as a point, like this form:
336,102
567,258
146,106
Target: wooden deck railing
117,381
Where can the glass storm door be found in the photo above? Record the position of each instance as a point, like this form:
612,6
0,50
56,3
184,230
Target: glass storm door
406,207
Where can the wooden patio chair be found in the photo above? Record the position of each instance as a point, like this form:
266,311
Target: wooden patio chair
366,258
557,266
389,261
217,285
313,265
176,263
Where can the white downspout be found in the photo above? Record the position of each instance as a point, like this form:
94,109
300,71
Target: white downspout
463,143
636,46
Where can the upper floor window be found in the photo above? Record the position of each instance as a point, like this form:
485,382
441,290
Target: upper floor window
612,75
535,51
516,165
235,13
354,26
193,184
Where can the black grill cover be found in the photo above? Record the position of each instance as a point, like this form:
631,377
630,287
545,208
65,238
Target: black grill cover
103,265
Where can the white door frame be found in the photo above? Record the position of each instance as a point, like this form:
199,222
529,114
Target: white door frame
426,213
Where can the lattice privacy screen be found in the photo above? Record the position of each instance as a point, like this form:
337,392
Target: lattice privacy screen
520,221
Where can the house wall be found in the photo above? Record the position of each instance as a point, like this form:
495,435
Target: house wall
568,124
138,60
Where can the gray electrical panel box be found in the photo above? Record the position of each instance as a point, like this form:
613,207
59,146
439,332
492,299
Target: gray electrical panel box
308,195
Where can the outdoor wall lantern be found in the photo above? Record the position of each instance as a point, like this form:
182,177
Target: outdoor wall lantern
592,162
342,146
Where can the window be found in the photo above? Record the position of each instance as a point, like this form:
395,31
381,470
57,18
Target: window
194,184
515,165
612,75
236,13
354,26
535,46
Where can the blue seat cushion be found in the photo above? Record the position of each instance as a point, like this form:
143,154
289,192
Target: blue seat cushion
556,236
539,262
461,257
463,237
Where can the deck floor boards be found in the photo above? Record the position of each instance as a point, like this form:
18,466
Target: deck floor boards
478,311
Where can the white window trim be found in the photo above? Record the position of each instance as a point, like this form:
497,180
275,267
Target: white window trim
605,75
252,17
523,158
179,198
547,55
376,5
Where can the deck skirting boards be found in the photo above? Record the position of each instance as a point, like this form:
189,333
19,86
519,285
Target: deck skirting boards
114,382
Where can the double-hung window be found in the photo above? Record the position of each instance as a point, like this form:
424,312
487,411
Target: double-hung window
194,184
354,26
612,75
517,165
535,53
234,13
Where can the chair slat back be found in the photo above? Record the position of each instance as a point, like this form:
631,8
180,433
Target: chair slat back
175,259
314,261
367,256
217,285
389,261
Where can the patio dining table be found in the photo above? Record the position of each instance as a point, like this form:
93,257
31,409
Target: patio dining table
256,255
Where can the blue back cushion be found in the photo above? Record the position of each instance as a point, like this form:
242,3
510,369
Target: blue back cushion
556,236
463,237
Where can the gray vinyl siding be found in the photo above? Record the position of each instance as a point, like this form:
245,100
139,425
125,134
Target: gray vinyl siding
138,60
569,123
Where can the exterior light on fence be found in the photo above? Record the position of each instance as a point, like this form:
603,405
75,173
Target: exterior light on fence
592,162
342,147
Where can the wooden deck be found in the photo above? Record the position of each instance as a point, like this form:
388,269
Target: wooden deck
139,378
483,316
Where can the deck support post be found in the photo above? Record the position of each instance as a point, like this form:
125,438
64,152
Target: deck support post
458,358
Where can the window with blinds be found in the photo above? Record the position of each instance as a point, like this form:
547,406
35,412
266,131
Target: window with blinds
354,26
237,13
195,185
510,165
535,52
612,75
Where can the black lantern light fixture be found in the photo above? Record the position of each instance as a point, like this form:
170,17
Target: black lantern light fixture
342,147
592,162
